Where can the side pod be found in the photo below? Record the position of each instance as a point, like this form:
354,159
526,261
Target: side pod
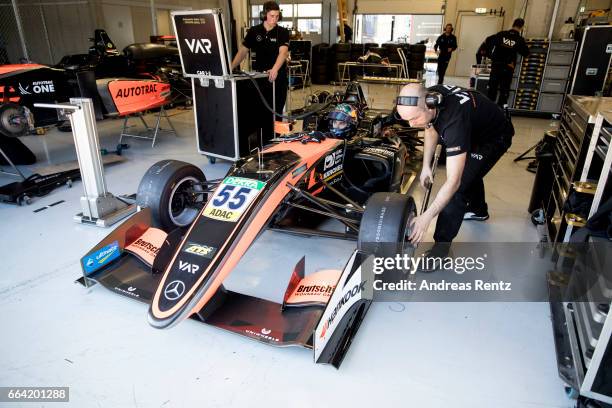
343,315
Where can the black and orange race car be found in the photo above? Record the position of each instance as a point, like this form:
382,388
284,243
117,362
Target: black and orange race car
23,85
175,253
144,76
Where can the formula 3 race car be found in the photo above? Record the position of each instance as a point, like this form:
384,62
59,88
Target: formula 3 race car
176,252
144,76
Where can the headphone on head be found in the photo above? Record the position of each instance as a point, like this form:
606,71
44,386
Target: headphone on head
267,7
433,100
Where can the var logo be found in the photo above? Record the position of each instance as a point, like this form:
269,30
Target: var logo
199,45
188,267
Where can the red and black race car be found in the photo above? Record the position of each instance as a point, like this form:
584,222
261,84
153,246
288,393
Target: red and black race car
177,251
141,78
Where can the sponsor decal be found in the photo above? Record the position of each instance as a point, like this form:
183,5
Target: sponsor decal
199,45
204,251
263,334
101,257
508,42
476,156
314,290
232,198
333,159
146,247
129,292
345,299
331,173
38,87
136,90
378,150
188,267
174,290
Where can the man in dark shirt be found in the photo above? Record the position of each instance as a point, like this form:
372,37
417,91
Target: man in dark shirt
271,44
475,133
445,45
502,49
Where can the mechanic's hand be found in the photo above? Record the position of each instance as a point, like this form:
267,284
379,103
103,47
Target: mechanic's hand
419,227
426,177
272,74
450,50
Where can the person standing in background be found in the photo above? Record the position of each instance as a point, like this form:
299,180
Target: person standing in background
502,49
270,42
444,47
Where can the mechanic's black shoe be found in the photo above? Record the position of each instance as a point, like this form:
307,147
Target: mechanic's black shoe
476,216
433,259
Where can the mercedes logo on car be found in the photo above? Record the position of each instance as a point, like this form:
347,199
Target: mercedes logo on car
174,290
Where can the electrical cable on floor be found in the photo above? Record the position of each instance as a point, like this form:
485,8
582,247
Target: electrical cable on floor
265,102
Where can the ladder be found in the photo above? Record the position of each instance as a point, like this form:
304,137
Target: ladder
342,14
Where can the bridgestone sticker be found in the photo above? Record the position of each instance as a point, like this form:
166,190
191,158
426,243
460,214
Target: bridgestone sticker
232,198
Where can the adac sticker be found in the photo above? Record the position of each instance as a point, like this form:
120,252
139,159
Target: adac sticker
101,257
232,198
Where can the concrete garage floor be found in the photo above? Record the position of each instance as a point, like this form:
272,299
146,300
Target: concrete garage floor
57,333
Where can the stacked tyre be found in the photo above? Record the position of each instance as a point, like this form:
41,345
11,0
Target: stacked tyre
341,52
368,46
416,63
357,50
321,60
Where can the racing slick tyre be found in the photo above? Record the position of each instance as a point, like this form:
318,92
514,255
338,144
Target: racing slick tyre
13,120
385,225
173,191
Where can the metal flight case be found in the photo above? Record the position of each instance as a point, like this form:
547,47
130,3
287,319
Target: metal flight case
229,119
230,116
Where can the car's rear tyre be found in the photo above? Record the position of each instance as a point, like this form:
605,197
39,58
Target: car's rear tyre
385,225
172,189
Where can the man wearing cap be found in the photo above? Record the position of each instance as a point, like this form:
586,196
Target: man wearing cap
475,133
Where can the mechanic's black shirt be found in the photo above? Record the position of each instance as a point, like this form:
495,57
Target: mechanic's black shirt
503,47
467,119
266,45
444,42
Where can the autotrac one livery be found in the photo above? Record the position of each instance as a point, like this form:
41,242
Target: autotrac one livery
145,76
177,251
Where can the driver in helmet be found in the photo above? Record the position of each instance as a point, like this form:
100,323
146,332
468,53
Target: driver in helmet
343,120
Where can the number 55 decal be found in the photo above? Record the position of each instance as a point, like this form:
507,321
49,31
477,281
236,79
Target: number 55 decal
232,198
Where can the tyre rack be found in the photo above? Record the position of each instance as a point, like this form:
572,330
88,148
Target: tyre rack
540,80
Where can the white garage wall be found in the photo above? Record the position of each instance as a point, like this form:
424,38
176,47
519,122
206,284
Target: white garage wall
397,6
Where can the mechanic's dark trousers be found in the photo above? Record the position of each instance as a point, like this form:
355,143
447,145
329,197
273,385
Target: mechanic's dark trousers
499,80
281,94
471,190
442,66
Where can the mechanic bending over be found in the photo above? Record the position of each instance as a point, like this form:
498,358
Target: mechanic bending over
475,133
271,44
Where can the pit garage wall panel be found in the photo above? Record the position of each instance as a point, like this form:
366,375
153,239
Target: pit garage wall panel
398,7
69,32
